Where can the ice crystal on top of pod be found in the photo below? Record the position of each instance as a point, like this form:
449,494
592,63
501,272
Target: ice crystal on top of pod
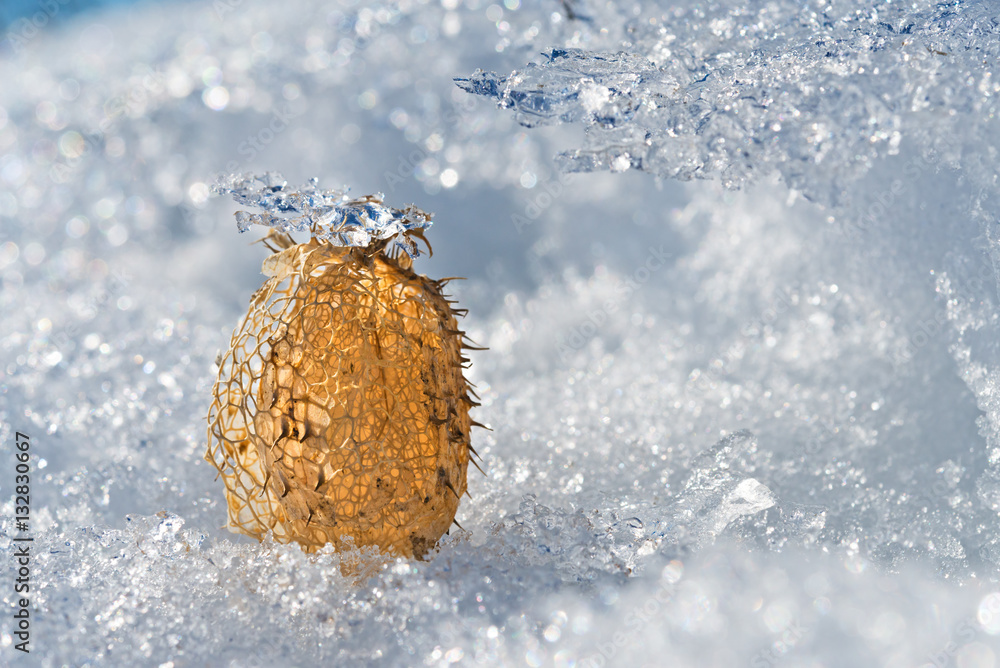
326,214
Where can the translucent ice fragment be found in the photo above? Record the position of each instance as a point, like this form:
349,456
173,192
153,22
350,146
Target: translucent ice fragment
816,99
747,498
326,214
243,221
572,86
718,490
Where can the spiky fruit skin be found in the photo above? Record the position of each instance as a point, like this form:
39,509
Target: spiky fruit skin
341,411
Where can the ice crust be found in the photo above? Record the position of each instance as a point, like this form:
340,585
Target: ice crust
815,91
754,426
323,214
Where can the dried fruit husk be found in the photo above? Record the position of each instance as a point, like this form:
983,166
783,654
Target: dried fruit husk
341,412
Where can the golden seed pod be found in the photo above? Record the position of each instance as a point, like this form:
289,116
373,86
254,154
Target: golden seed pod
341,410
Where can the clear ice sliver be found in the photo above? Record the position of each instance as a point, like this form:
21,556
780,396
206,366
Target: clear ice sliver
326,214
736,93
572,86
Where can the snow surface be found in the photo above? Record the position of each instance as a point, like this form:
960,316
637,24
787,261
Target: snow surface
755,426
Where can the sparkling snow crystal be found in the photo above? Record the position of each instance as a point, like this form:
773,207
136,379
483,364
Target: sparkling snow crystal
326,214
734,90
